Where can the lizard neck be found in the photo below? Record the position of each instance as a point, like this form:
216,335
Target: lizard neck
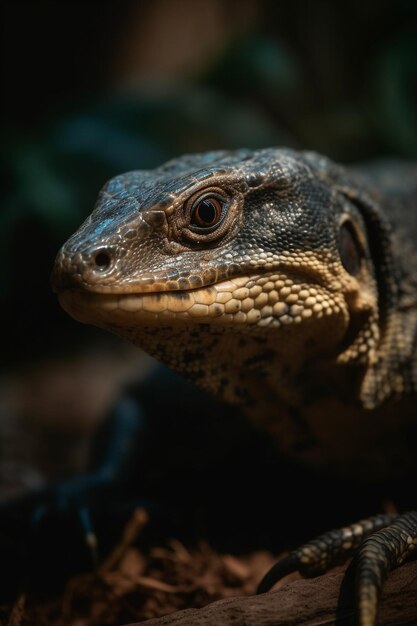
323,424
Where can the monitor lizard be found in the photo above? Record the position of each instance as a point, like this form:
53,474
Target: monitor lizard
284,283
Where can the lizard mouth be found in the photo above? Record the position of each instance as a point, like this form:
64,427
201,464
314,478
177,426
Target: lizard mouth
261,300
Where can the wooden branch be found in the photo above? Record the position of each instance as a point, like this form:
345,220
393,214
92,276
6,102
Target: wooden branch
314,602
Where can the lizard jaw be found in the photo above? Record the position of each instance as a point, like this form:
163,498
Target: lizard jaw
267,300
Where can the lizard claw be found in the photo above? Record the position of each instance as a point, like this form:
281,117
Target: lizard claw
285,566
379,544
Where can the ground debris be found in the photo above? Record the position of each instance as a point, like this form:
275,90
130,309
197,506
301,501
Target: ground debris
136,582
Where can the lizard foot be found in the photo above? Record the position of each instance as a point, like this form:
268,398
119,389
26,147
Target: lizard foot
379,544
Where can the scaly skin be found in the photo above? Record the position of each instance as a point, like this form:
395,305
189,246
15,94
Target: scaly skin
276,280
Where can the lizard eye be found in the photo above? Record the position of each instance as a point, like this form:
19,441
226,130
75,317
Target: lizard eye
207,212
351,252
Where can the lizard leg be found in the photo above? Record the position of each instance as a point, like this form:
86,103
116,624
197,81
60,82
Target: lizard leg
380,543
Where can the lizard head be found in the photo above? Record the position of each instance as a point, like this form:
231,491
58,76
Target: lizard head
222,263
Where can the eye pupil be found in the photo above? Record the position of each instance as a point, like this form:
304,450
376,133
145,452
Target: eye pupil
206,212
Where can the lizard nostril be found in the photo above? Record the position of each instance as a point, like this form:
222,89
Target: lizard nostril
102,259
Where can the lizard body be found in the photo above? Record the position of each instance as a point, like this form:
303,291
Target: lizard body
284,283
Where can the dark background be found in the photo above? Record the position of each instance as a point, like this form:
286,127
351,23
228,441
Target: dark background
90,90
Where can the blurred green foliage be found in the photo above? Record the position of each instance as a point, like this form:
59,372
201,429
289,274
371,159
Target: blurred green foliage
395,95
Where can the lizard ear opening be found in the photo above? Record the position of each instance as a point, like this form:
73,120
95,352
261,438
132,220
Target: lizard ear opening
350,249
380,245
380,379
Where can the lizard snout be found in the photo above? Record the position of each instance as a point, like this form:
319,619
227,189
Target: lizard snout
95,266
